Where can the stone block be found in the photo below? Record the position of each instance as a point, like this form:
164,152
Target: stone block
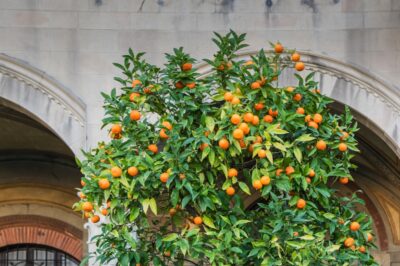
382,20
97,40
38,19
104,20
164,21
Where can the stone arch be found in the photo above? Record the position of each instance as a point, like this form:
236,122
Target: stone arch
46,100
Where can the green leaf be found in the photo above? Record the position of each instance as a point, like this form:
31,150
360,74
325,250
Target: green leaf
145,205
333,248
210,123
279,146
307,237
209,222
297,154
153,205
170,237
329,216
244,188
269,156
305,138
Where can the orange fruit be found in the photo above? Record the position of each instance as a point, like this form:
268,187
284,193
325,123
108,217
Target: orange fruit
344,180
242,143
295,57
136,82
163,135
87,215
307,118
238,133
95,219
104,183
344,136
108,204
258,139
87,206
297,97
167,125
248,63
313,124
133,171
299,66
278,172
248,117
223,144
228,96
232,172
182,176
301,204
354,226
317,118
147,90
370,237
186,67
295,234
257,184
245,128
278,48
116,171
255,121
311,173
362,249
153,148
164,177
342,147
235,100
349,242
235,119
81,195
289,89
116,129
197,220
268,119
255,85
104,212
167,253
300,110
230,191
259,106
308,180
203,146
133,96
83,183
289,170
172,211
265,180
321,145
135,115
262,153
179,85
191,85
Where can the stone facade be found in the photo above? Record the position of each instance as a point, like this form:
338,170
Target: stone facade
56,56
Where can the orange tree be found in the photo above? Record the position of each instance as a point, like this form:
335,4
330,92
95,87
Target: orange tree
186,150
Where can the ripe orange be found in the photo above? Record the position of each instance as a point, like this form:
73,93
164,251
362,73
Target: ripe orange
307,118
235,100
116,129
297,97
104,183
265,180
87,215
258,139
116,171
163,135
167,125
342,147
135,115
313,124
242,143
95,219
344,180
344,136
235,119
262,153
172,211
289,89
354,226
289,170
167,253
362,249
295,234
301,204
104,212
308,180
136,82
255,85
268,119
153,148
257,184
133,171
295,57
311,173
255,121
232,172
191,85
228,96
370,237
147,90
197,220
223,144
182,176
278,48
259,106
273,113
186,66
349,242
321,145
248,117
299,66
179,85
83,183
245,128
203,146
81,195
133,96
317,118
87,206
230,191
278,172
238,133
300,110
164,177
108,204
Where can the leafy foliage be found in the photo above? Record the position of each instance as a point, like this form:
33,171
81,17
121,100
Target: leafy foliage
176,209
